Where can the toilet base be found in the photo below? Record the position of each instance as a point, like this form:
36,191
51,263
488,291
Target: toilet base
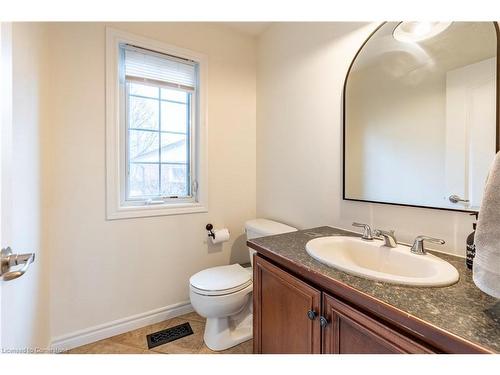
224,333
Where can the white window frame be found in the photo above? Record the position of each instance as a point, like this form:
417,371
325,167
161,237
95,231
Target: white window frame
116,206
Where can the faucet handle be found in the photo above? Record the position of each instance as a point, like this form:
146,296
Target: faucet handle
418,244
367,231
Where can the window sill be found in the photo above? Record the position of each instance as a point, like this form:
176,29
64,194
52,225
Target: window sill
130,212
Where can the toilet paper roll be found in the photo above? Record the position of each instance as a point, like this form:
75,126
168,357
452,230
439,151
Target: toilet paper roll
221,235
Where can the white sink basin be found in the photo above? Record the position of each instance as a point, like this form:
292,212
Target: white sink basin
372,260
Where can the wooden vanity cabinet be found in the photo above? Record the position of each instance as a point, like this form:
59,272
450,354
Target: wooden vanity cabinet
285,312
291,316
349,331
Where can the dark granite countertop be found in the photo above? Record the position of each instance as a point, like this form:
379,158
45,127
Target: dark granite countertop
460,309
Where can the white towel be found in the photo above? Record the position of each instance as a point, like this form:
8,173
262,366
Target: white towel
486,266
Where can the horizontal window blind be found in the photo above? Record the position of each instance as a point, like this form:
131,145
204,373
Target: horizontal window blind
159,69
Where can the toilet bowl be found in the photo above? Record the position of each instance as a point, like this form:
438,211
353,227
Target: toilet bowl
223,294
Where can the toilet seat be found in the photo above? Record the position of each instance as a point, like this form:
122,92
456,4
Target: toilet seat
216,293
220,280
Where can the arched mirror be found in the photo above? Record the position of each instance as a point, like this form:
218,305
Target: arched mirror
421,123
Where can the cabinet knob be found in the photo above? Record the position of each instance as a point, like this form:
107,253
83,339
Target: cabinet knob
311,314
323,322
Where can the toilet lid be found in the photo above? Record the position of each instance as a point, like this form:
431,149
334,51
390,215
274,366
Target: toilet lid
221,278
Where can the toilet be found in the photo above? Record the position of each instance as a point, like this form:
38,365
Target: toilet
223,294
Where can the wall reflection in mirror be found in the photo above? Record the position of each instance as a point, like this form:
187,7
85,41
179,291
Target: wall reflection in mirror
420,115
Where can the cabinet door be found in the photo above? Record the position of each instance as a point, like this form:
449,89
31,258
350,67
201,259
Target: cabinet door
283,312
348,331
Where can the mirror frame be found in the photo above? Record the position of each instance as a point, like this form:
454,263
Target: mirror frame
497,30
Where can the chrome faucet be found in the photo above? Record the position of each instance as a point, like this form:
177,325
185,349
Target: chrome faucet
389,237
367,231
418,244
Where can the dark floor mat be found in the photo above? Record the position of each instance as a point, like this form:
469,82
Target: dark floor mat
169,335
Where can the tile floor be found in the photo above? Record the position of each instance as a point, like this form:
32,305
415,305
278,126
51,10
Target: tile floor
134,342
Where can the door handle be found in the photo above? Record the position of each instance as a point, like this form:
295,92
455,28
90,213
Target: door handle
456,198
9,260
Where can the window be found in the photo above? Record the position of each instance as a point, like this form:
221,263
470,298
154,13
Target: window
155,132
159,96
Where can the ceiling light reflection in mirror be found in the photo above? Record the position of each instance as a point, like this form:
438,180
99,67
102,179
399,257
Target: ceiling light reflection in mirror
411,32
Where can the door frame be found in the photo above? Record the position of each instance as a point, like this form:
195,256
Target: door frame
5,141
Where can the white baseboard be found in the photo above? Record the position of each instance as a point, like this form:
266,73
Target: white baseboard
116,327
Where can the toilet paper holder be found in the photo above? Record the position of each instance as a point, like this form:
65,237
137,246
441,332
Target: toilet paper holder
209,228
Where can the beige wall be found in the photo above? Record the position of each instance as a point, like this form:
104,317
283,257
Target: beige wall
300,75
108,270
25,309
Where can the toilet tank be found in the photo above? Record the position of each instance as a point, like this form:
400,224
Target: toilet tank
263,227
